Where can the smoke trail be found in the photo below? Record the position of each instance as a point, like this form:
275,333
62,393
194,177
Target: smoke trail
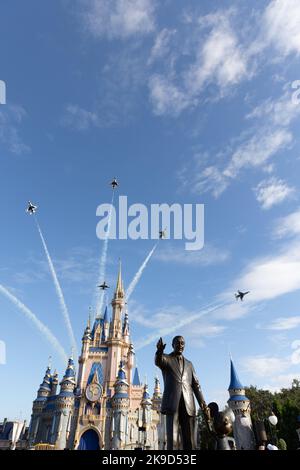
138,275
59,292
185,321
41,327
102,267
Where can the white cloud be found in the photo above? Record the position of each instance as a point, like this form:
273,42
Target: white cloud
284,323
281,381
210,179
232,311
79,118
278,112
119,18
265,366
171,320
270,277
215,57
162,45
295,357
10,119
254,152
220,58
288,226
253,149
209,255
257,150
272,192
166,97
281,26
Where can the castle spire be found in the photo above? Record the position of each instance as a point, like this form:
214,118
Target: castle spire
119,293
126,327
117,305
235,383
45,387
240,405
68,382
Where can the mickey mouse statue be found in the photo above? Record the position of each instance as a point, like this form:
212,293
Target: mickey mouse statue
220,427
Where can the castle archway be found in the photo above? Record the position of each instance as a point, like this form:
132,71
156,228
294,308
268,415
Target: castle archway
89,440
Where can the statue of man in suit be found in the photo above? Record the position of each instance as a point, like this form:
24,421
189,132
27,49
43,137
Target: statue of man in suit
180,386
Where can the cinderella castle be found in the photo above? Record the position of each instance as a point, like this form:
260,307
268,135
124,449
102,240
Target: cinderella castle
106,406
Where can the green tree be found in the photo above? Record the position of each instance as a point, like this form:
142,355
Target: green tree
285,405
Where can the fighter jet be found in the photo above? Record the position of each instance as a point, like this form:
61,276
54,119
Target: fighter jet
104,286
241,295
162,234
114,183
31,209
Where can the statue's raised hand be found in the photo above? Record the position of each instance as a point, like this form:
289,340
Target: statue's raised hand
160,345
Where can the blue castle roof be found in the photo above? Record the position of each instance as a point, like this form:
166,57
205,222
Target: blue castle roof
146,395
121,373
238,398
234,380
105,319
98,321
136,378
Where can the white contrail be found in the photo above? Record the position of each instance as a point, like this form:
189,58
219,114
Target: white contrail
138,275
59,292
103,259
41,326
185,321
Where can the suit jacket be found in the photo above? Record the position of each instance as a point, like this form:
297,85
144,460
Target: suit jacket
177,383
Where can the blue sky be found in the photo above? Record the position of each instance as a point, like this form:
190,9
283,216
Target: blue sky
184,103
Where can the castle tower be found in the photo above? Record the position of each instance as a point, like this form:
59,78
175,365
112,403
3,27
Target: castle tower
64,406
159,431
146,404
240,405
157,397
120,407
54,384
105,332
36,427
118,303
125,330
86,341
117,347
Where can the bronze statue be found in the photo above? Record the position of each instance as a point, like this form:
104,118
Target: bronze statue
221,426
180,386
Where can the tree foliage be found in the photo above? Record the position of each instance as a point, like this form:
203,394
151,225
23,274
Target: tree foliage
285,405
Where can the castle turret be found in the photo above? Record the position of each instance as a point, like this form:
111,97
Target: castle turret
146,405
130,357
54,384
125,331
156,399
39,403
240,405
86,342
160,428
64,407
105,331
117,305
120,406
86,339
